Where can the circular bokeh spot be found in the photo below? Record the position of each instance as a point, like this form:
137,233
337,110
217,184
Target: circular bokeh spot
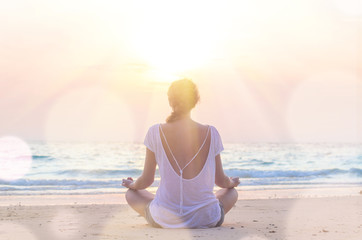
15,158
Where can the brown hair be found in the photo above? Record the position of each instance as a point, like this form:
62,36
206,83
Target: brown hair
182,96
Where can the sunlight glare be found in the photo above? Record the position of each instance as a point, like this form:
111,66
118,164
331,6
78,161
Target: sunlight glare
15,158
173,38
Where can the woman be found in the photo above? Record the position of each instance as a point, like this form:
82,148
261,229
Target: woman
188,156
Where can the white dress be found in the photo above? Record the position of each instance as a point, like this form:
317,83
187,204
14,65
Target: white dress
179,202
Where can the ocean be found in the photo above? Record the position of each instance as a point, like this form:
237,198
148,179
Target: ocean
97,168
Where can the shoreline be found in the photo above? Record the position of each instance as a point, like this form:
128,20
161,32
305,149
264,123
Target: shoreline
245,193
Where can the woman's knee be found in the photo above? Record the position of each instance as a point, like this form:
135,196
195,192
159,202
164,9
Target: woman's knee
130,196
227,192
232,195
138,196
235,193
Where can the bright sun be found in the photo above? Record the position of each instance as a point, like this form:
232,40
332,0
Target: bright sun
175,41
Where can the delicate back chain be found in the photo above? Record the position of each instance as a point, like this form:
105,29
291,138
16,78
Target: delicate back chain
181,169
173,156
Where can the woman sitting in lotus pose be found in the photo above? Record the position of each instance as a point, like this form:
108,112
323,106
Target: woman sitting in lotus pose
188,157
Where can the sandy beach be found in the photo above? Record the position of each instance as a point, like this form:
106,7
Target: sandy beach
274,215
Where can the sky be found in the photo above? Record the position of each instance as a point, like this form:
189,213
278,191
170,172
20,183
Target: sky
267,71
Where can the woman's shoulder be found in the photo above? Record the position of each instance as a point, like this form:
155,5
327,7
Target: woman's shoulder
200,126
153,128
213,130
156,125
208,126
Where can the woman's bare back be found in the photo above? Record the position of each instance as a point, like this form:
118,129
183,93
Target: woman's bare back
185,137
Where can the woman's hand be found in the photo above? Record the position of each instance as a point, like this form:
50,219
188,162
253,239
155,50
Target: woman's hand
234,181
127,182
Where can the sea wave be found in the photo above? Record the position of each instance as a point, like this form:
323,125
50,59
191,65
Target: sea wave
42,158
99,167
292,175
60,182
258,162
99,172
253,173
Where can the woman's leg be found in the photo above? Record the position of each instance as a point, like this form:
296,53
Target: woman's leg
138,200
227,197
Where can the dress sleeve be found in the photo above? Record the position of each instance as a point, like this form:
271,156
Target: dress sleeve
218,146
150,138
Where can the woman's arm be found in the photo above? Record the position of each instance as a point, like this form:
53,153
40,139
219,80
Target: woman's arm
147,176
221,179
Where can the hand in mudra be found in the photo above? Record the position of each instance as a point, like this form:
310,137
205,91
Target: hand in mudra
127,182
235,181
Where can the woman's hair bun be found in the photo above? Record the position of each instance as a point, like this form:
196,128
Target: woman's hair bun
183,95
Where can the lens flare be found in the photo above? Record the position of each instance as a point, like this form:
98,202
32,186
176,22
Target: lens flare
15,158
